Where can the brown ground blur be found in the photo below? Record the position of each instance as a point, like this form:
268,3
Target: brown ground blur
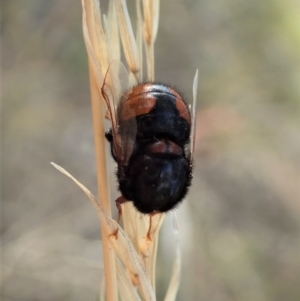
240,224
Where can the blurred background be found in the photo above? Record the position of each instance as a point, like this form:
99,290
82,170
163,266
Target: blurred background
239,225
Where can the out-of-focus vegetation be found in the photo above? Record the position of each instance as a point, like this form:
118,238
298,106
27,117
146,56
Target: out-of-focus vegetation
240,225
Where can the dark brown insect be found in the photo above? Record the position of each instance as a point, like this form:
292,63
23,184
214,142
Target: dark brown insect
152,141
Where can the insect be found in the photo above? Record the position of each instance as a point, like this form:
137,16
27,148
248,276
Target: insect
152,142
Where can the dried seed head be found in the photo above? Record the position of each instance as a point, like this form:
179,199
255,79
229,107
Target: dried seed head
136,254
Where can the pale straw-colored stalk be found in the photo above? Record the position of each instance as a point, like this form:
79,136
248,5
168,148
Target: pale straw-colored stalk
131,274
95,38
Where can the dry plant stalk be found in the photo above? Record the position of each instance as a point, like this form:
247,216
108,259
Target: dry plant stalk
131,274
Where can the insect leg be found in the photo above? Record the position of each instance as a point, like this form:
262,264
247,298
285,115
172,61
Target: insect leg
120,200
148,236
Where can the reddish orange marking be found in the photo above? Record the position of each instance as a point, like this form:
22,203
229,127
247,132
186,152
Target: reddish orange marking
181,106
137,102
164,147
183,110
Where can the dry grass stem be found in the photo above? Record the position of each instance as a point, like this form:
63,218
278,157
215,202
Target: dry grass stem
193,110
98,58
103,190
